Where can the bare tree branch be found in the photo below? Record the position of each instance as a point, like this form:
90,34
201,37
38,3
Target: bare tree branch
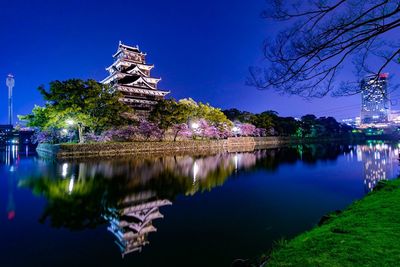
306,57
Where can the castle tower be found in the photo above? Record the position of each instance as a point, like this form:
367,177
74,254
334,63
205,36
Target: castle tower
130,74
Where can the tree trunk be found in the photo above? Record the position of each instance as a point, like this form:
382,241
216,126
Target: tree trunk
80,133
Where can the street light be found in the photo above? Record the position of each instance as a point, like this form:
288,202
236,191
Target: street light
236,130
70,122
195,125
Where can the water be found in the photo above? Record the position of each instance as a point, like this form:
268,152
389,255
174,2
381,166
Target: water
176,210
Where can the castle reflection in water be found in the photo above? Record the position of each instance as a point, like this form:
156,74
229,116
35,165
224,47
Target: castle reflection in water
128,193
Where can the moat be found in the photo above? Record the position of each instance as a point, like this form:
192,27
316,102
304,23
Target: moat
203,210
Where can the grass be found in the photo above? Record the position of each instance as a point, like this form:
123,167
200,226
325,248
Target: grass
365,234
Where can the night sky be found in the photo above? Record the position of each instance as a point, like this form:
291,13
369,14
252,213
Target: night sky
201,49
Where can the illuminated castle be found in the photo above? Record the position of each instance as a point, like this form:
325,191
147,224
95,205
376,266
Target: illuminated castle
130,74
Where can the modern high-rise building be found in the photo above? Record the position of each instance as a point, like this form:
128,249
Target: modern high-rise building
130,74
375,104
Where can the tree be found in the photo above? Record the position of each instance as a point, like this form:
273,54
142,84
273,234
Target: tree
171,114
182,130
85,104
208,131
149,130
247,129
234,114
38,118
287,126
321,38
264,120
308,123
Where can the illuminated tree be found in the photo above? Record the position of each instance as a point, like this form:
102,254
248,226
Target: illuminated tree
247,129
88,105
181,130
149,130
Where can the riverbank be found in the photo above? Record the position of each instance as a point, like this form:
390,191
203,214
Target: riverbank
234,144
365,234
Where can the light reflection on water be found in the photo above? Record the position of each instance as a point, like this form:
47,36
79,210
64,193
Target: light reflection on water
128,194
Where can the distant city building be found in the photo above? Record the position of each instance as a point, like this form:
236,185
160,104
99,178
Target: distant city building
394,116
375,105
130,75
358,121
6,133
353,122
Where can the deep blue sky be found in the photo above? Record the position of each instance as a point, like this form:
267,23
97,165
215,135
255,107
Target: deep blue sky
201,49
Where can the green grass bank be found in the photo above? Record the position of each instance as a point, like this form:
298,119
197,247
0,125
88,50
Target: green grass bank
365,234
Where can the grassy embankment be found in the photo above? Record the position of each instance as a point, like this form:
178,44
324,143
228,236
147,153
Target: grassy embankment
365,234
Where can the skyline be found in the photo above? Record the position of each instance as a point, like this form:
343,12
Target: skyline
48,45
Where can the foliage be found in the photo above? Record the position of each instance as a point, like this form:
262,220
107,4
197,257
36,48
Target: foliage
181,130
38,118
207,130
270,123
51,136
247,129
170,112
321,38
149,130
178,115
234,114
88,104
365,234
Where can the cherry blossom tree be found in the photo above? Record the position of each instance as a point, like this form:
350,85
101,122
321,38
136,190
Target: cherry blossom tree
149,130
247,129
181,130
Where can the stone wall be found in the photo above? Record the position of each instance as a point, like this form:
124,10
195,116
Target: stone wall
128,148
234,144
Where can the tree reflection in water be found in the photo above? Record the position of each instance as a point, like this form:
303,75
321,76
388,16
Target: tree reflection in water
128,193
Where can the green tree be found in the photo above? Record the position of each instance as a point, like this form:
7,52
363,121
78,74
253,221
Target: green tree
309,123
170,112
38,118
265,120
88,105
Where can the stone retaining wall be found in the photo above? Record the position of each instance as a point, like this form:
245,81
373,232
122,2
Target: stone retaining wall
128,148
234,144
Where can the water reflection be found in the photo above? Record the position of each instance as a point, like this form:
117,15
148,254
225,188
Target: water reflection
128,194
10,158
131,222
379,161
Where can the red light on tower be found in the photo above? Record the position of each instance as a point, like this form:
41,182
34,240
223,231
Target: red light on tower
384,75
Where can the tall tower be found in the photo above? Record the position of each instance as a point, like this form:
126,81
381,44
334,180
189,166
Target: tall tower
375,104
130,74
10,82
